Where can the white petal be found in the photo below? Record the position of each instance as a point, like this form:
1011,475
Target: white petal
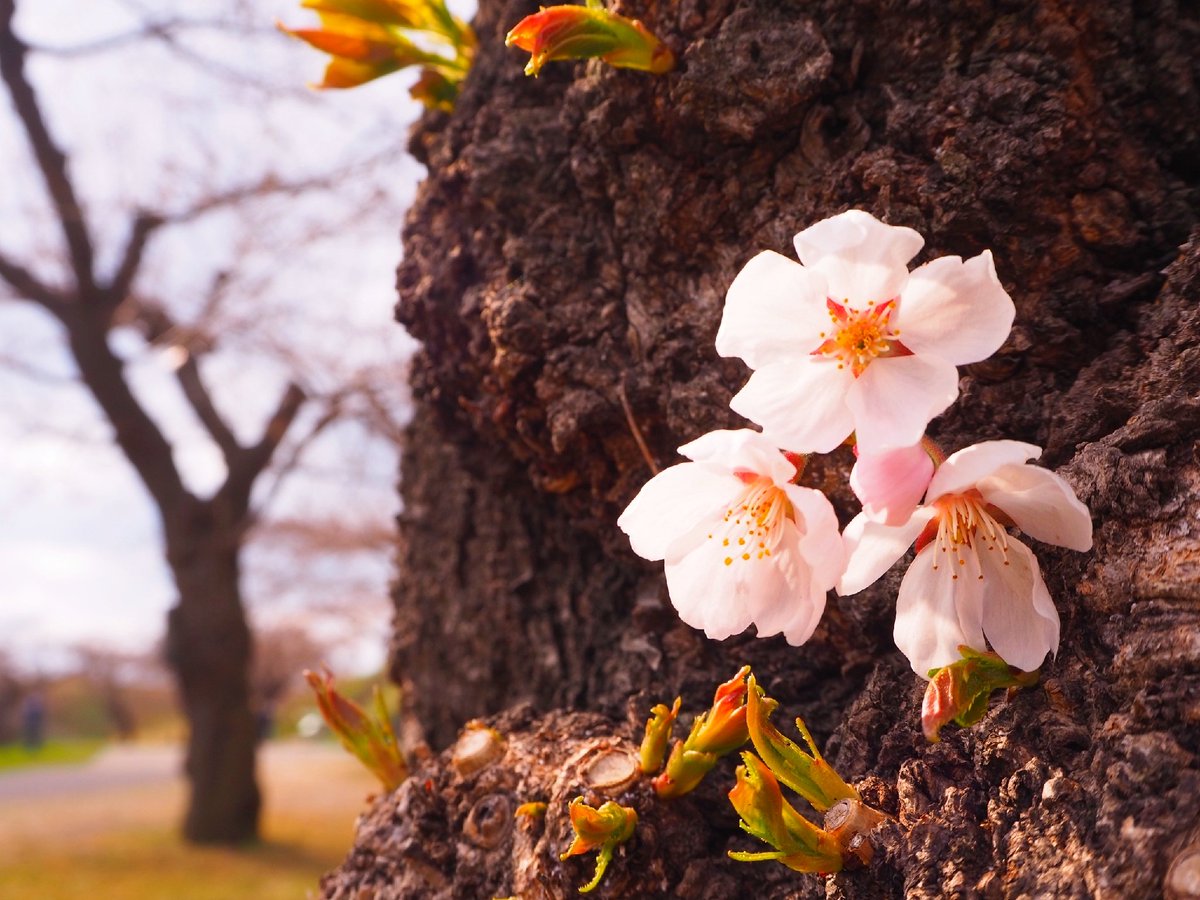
801,404
1041,504
1019,617
741,450
896,397
890,484
783,600
774,307
715,597
872,548
821,543
673,503
864,261
962,470
955,310
936,612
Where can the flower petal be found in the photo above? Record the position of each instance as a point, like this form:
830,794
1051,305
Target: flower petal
775,307
962,470
890,484
715,597
800,403
820,542
895,398
954,310
672,503
1019,617
872,548
936,612
783,599
743,450
864,261
1041,504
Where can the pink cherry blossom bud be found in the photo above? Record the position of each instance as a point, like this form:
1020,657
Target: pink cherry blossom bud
890,483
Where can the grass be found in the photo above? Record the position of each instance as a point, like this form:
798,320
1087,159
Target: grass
126,846
155,865
18,756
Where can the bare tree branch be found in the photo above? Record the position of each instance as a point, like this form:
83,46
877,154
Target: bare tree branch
51,161
144,224
165,30
29,287
333,411
135,432
201,401
158,327
25,369
252,461
270,186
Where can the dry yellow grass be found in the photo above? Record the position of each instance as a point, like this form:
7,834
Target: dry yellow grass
121,843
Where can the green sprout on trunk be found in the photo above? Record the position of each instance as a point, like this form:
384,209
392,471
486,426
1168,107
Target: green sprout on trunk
589,32
602,829
370,738
715,733
805,773
658,734
372,38
797,842
960,691
766,815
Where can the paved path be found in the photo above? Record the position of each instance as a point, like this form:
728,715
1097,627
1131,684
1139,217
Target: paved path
118,766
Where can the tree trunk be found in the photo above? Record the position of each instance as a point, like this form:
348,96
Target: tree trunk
209,649
565,268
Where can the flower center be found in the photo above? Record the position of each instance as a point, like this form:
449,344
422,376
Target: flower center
965,526
860,336
753,524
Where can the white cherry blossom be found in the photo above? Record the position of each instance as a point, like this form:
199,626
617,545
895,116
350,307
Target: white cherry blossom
848,340
741,544
972,582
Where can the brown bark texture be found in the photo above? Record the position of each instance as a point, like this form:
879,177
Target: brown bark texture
565,268
209,650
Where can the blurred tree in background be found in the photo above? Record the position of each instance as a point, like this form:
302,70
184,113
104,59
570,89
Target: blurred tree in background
193,229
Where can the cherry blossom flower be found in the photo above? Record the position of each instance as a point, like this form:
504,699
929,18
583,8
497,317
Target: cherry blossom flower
972,583
741,544
848,340
890,484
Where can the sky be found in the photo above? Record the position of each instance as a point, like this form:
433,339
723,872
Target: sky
146,125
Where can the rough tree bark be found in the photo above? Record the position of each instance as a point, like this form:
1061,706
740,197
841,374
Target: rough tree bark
565,267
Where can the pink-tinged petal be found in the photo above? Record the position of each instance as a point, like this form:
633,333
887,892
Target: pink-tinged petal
954,310
672,503
890,484
872,548
1019,617
801,404
715,597
783,600
775,308
820,540
936,612
1041,504
964,469
895,398
741,450
863,260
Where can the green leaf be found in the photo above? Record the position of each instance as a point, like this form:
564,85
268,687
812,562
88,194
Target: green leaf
960,691
766,815
806,774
